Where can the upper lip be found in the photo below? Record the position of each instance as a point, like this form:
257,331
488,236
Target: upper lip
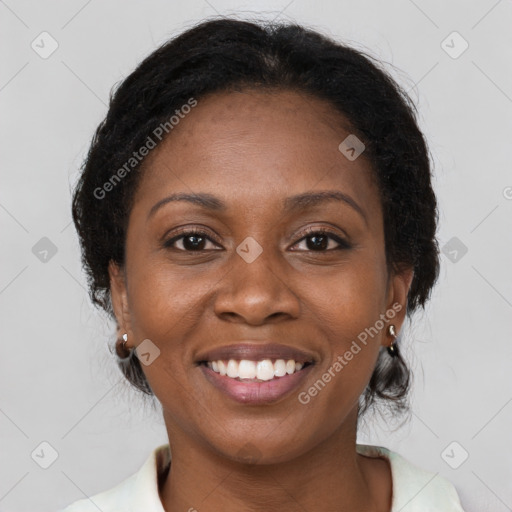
256,352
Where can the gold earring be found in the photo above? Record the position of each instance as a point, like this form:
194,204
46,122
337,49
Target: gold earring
121,350
393,348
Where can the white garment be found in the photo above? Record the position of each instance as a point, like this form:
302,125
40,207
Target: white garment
414,489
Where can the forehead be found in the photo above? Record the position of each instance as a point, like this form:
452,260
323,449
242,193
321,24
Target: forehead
256,146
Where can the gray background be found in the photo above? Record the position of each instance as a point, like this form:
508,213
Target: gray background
58,382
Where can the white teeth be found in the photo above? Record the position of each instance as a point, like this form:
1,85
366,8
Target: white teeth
261,370
232,369
247,369
280,368
265,370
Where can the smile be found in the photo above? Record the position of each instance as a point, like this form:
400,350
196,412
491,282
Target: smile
243,384
255,371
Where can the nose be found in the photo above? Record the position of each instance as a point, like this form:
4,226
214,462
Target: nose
256,293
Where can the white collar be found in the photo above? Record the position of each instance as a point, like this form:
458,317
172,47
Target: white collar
414,489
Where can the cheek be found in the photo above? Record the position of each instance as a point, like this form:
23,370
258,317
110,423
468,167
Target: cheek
167,306
160,297
164,310
348,301
347,308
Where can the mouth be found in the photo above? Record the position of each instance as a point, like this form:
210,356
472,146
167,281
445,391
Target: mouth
247,370
254,373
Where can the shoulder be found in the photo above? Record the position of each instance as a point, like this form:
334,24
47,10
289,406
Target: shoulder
415,489
137,492
111,500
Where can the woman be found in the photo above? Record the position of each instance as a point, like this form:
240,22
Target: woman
256,213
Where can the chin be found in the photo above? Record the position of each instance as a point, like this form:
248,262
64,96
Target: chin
253,449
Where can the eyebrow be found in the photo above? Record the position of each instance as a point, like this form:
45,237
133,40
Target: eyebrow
291,204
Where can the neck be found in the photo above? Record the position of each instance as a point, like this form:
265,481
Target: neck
332,476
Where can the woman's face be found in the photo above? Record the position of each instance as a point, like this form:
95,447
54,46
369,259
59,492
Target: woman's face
253,277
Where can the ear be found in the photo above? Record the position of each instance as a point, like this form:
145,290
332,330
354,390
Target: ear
398,291
119,298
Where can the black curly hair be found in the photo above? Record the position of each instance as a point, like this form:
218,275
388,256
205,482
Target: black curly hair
228,54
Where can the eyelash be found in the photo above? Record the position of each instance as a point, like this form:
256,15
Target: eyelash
309,232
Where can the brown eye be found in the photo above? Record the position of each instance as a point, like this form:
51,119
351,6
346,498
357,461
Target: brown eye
193,240
320,239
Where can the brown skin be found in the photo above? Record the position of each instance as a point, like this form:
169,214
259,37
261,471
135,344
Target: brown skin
253,149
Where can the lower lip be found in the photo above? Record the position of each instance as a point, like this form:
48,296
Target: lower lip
256,392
